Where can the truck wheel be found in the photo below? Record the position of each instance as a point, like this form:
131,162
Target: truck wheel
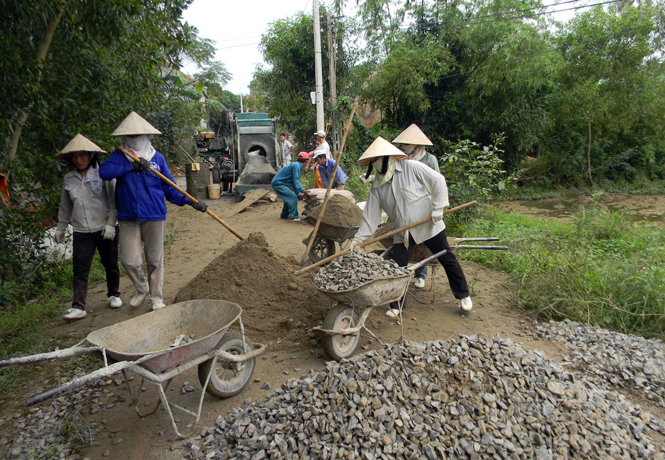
321,248
228,379
216,175
338,347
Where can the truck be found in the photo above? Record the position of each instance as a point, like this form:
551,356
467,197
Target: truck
229,156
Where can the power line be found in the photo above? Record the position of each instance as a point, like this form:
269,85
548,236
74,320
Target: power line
472,21
237,46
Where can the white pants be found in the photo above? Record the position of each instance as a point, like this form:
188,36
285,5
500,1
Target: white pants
151,234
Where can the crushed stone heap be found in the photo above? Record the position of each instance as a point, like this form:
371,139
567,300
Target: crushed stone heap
340,212
263,284
471,398
355,268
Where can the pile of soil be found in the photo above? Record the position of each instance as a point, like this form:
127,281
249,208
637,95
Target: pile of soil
340,212
274,301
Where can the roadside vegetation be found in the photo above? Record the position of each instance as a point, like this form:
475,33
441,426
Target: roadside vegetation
597,268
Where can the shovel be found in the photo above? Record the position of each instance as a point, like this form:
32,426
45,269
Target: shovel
378,238
192,199
347,128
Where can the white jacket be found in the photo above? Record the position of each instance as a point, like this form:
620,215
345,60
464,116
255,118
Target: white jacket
414,192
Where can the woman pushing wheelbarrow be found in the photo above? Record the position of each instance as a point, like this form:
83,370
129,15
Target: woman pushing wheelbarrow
409,192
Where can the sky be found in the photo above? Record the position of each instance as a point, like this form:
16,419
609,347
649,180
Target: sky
236,27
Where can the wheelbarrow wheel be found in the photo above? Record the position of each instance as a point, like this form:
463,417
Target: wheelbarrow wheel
228,379
338,347
321,249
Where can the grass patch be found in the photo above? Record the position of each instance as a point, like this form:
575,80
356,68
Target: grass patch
23,325
596,269
528,192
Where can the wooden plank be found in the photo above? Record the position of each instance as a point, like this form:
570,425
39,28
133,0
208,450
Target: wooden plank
250,198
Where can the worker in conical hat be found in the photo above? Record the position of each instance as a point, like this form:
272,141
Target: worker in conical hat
141,207
413,142
88,203
409,191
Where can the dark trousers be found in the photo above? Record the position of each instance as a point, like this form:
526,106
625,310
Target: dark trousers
85,245
437,243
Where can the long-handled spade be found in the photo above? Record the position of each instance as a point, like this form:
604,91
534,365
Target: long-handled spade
378,238
175,186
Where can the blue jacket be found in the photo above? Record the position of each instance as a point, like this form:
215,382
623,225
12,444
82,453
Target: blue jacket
289,176
326,171
139,195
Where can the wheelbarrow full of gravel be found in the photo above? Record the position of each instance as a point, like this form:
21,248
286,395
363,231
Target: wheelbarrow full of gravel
162,344
342,324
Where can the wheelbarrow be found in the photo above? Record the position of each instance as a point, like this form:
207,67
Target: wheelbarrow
155,346
342,324
325,239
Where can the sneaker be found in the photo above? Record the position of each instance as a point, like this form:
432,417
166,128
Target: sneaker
138,299
294,220
419,283
392,313
115,302
74,313
157,305
466,304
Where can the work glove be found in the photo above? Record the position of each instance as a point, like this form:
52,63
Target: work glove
366,180
143,164
437,215
200,206
59,236
109,232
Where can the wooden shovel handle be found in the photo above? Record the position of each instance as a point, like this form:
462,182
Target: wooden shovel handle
378,238
191,198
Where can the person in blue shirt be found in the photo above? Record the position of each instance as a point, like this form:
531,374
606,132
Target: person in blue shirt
326,168
286,179
141,209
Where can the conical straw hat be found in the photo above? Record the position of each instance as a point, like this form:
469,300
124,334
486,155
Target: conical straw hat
134,124
80,143
412,135
380,148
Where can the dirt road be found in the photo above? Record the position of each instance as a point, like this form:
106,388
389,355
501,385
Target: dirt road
195,241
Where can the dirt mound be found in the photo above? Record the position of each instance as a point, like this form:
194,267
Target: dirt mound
262,282
340,212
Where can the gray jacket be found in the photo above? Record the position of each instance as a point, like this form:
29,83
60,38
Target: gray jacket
83,208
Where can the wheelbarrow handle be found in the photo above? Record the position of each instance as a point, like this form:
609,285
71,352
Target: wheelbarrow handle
65,353
423,262
192,199
245,356
78,382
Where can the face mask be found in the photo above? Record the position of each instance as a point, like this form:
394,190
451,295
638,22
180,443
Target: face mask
139,143
408,148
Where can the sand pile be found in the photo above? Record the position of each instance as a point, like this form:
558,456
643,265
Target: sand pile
340,212
262,282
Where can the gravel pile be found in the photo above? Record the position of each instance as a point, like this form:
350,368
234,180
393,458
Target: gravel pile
471,398
355,268
612,359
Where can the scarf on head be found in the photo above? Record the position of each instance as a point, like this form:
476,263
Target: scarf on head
139,146
417,153
380,179
92,179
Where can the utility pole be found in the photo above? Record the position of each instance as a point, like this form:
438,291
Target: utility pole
320,122
332,70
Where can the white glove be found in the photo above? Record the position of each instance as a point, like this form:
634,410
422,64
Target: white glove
437,215
354,245
109,232
366,180
60,236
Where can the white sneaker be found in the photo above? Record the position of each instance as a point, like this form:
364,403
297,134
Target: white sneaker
138,299
157,305
392,313
466,304
74,313
419,283
115,302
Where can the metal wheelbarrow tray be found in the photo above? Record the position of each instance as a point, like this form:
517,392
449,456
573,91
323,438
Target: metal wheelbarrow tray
143,345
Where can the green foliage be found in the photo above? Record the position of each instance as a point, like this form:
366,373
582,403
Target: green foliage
597,269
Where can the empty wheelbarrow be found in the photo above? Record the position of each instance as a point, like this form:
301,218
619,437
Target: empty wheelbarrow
162,344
